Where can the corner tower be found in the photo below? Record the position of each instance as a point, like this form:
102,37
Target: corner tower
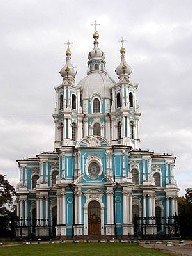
125,109
68,106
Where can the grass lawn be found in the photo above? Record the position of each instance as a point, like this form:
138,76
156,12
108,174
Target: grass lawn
79,249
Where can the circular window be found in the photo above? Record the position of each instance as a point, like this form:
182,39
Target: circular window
93,170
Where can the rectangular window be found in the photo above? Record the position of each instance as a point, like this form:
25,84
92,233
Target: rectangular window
67,128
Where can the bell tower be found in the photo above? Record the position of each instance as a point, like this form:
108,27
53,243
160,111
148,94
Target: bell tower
67,106
125,109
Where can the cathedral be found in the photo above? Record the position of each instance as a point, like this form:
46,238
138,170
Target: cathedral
97,178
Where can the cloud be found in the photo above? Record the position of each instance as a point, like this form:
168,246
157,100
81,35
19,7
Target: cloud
32,49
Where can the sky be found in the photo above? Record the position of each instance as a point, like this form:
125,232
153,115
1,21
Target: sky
158,46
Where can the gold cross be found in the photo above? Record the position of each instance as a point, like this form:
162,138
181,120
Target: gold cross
68,43
95,24
122,41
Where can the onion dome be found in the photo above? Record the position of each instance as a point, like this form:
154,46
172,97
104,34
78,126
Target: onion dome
96,57
68,71
96,83
123,69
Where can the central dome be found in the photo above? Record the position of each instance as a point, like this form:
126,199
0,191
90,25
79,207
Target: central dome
96,83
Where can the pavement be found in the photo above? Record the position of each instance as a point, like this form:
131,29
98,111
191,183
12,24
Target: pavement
178,248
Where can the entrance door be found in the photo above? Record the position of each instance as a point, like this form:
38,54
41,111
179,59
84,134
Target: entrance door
94,218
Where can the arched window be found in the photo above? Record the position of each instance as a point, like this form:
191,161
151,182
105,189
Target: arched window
118,100
119,130
74,131
34,181
96,105
61,102
135,176
54,177
156,177
61,129
73,101
97,129
81,101
96,66
132,130
131,99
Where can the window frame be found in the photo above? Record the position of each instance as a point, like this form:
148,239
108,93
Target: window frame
97,129
96,105
118,100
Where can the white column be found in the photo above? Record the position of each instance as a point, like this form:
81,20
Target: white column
108,207
125,216
111,207
21,208
85,127
143,169
144,205
79,208
167,208
124,170
64,99
37,210
64,208
25,221
46,211
153,207
167,178
107,129
112,128
176,207
150,208
85,221
21,174
56,129
130,209
58,209
69,129
76,208
79,129
18,208
173,206
64,128
41,211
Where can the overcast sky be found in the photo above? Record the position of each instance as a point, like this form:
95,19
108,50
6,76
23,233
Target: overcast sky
32,52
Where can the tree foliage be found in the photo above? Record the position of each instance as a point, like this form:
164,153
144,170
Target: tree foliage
185,214
7,193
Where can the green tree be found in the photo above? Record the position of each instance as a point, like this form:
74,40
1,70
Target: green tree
7,213
185,215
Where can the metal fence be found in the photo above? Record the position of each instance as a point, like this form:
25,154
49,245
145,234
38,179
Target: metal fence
144,228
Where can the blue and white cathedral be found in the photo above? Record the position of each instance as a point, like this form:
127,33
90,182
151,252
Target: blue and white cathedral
97,178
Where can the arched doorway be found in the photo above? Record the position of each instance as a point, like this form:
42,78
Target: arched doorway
135,215
158,217
34,223
94,218
54,220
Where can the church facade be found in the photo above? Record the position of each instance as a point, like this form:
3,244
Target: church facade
97,178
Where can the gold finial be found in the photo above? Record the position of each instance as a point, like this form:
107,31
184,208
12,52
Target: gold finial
124,66
67,69
122,45
122,50
96,35
68,51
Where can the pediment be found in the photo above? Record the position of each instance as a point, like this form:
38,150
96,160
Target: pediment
93,141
